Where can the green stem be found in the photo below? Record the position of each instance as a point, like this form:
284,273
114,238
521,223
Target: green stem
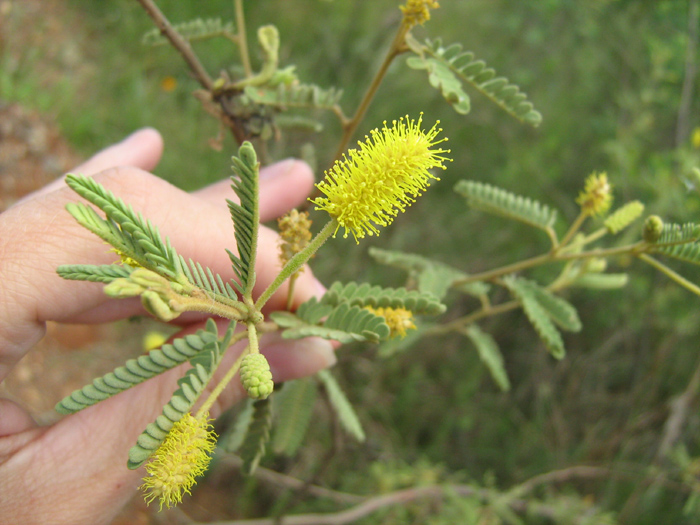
574,228
549,258
296,262
395,49
242,39
685,283
206,406
254,346
203,303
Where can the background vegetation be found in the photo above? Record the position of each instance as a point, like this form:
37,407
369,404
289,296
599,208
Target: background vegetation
608,77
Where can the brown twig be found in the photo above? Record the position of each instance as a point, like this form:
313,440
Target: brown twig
180,44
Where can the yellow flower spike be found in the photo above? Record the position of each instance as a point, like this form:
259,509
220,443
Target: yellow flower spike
183,456
384,176
398,319
417,11
295,234
596,197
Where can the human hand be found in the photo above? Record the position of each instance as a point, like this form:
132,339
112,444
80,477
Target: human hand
75,470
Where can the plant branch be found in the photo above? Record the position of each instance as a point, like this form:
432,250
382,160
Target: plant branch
295,263
679,279
350,126
179,43
242,38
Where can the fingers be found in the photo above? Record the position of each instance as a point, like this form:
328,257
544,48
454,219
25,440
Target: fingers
33,293
283,186
141,149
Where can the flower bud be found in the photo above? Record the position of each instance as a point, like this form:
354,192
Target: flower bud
653,227
157,306
122,287
256,376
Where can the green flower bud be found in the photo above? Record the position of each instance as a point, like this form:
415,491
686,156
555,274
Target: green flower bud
256,376
155,305
653,227
122,287
149,279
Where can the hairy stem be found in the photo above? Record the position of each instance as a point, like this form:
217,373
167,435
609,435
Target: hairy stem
231,372
679,279
295,263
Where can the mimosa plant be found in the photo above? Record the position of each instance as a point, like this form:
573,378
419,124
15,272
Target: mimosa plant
362,192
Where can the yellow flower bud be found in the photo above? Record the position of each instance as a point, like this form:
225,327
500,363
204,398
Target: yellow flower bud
256,376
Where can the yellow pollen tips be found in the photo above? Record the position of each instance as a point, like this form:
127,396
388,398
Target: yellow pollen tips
397,319
183,456
596,197
417,11
372,184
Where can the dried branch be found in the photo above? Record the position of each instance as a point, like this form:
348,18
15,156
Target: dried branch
179,43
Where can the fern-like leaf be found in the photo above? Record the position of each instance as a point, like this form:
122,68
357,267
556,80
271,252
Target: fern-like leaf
207,280
623,217
245,215
688,252
235,436
538,316
294,96
432,277
294,406
105,273
562,312
198,29
495,200
449,67
138,370
378,297
343,409
258,435
191,386
673,234
124,229
344,323
490,355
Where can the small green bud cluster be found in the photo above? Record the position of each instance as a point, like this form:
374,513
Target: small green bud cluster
153,289
653,227
256,376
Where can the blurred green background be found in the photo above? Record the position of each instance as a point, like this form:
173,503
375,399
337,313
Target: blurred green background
607,76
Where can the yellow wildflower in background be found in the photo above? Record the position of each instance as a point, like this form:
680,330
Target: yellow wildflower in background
596,197
417,11
397,319
183,456
384,176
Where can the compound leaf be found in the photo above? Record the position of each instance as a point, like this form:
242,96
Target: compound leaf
495,200
377,297
432,277
294,407
104,273
138,370
343,409
537,315
255,444
490,355
450,67
245,215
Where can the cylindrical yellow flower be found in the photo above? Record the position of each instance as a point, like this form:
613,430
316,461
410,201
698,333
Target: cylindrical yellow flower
183,456
397,319
596,197
372,184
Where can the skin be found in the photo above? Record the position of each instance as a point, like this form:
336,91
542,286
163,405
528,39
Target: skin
74,471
